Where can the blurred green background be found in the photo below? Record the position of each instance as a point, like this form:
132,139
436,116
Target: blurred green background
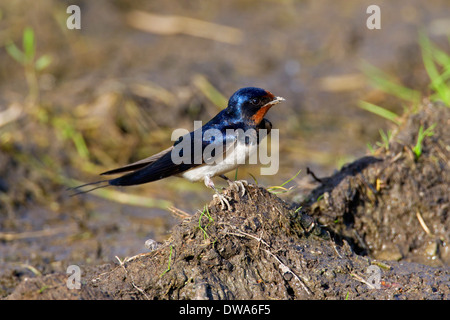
74,103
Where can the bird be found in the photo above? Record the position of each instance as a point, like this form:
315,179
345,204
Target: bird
231,136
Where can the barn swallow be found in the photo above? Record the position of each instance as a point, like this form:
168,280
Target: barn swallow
245,113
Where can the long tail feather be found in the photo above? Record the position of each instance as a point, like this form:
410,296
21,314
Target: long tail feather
77,190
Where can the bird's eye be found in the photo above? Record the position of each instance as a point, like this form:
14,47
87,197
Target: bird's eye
255,101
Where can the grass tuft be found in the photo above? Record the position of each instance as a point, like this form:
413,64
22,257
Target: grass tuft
437,65
210,220
422,134
31,64
389,84
281,188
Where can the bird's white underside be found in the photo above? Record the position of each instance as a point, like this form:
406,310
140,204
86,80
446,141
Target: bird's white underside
233,159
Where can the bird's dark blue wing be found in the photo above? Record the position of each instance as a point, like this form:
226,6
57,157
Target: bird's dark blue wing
192,150
138,164
162,168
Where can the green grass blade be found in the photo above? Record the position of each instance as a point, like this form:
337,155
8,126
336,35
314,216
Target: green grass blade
388,84
370,148
430,56
29,47
210,91
169,263
43,62
446,75
422,134
281,187
286,182
382,112
80,145
441,58
254,178
15,52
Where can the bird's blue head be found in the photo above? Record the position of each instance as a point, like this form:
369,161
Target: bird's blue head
251,104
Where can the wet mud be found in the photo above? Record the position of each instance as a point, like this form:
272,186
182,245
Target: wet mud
377,229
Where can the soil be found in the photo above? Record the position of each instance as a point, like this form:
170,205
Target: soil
343,245
378,202
376,228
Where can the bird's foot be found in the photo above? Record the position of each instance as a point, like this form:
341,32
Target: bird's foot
224,201
238,186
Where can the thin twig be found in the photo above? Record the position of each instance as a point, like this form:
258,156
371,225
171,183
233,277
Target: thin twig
335,249
244,234
179,213
422,223
360,279
122,264
284,268
312,174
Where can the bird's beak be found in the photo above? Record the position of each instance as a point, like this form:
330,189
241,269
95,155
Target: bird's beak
258,116
276,100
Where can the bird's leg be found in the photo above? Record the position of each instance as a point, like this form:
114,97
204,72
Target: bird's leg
225,178
222,198
236,185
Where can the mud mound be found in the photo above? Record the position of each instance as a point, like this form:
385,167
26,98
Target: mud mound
244,254
394,205
263,249
390,206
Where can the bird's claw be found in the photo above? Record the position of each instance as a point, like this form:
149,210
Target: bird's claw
223,201
239,185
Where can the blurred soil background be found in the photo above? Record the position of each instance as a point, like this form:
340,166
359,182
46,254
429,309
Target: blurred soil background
84,101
